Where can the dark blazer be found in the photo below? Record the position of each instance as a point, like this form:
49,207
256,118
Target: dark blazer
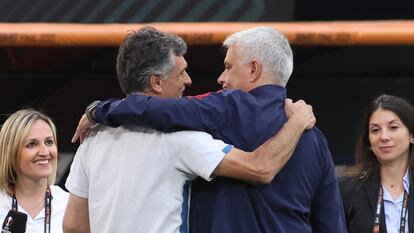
360,197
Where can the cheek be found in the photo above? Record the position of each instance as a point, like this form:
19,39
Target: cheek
231,78
54,151
373,143
371,139
23,162
405,143
25,155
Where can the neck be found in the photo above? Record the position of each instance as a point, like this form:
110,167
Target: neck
150,92
267,81
30,195
26,188
393,173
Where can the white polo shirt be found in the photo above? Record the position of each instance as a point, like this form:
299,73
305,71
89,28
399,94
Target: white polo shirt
137,179
36,225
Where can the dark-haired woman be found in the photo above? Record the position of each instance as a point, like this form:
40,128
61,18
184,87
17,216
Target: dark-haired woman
377,191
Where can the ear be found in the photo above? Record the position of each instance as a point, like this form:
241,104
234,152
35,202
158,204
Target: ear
412,139
155,83
255,70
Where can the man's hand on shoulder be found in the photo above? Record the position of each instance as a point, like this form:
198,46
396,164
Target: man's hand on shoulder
301,112
86,123
83,129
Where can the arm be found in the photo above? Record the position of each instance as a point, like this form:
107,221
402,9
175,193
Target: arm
76,219
206,114
168,114
261,165
327,216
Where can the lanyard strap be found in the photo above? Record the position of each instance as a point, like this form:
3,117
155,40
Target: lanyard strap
403,215
404,211
48,207
14,200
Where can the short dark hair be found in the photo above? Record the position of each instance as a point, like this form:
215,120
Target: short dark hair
144,53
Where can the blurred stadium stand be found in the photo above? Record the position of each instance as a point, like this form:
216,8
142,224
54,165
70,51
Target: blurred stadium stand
337,80
133,11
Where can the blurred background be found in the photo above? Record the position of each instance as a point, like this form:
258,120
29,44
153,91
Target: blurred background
337,80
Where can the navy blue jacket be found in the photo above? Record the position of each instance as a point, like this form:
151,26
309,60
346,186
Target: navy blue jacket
303,197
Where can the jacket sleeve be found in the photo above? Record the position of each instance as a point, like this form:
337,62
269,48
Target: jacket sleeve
205,114
327,208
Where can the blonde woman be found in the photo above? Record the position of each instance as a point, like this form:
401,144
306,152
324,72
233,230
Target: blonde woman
28,162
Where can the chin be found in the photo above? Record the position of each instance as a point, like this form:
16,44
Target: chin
387,160
43,175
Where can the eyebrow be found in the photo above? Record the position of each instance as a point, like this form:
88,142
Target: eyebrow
390,122
183,69
35,139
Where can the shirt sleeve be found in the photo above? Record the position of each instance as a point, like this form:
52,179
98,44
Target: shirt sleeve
197,153
77,182
208,113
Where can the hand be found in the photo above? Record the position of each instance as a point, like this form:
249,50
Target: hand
83,129
302,111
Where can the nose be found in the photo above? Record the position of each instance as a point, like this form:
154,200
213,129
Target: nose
385,136
43,150
187,79
221,80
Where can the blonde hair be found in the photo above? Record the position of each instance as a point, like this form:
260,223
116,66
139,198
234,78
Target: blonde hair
13,134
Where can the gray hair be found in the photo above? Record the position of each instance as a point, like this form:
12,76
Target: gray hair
144,53
267,45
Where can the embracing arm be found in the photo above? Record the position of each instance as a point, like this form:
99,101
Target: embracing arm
262,165
207,114
167,114
327,212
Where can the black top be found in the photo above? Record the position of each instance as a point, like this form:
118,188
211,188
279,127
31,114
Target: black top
359,197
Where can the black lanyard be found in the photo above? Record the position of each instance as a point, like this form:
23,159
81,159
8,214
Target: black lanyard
48,207
404,211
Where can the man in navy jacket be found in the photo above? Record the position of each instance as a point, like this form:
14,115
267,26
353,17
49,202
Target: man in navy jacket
303,197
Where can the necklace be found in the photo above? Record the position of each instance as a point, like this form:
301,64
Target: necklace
392,185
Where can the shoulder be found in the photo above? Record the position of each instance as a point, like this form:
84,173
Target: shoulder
314,142
192,138
104,136
313,136
59,195
351,188
347,183
186,134
3,197
59,203
5,205
224,96
316,134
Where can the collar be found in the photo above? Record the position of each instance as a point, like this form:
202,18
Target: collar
274,89
406,181
268,90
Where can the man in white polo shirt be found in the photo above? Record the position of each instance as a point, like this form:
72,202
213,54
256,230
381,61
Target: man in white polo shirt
135,179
